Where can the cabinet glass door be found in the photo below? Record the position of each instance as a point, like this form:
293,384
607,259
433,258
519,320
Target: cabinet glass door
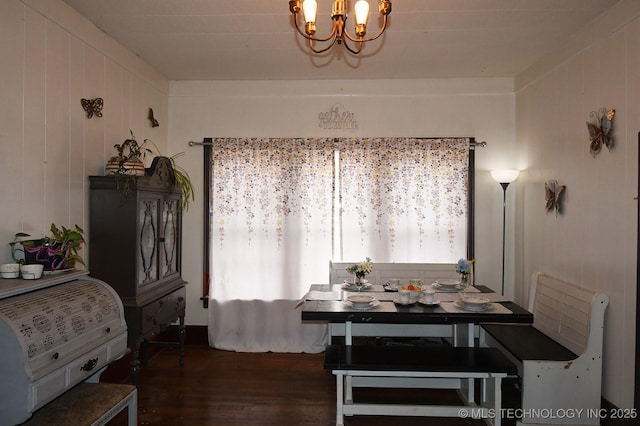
169,247
148,243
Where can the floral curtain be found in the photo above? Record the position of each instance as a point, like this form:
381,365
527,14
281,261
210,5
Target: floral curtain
403,199
277,222
271,238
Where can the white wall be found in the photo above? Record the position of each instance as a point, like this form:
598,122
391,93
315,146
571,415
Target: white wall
51,58
481,108
593,241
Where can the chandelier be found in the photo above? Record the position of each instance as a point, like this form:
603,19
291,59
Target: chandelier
339,33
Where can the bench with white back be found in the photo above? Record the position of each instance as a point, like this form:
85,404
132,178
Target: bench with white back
559,356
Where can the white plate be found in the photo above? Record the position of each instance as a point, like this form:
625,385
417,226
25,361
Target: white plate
397,301
445,287
434,303
352,287
350,282
364,307
481,308
448,282
57,271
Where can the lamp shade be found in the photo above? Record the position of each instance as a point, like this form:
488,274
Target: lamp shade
505,176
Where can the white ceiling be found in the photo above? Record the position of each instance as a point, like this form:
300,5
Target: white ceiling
256,40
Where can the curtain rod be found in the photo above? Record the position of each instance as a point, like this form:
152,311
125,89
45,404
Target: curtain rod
192,143
472,143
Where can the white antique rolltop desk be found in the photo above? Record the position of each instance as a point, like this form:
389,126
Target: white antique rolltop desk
56,332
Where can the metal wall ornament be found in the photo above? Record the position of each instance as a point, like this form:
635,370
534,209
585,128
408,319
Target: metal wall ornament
154,122
552,193
600,129
92,107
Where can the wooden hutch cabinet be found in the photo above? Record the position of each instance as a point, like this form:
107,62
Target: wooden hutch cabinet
135,245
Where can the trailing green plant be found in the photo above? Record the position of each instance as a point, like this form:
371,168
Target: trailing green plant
129,150
183,182
56,251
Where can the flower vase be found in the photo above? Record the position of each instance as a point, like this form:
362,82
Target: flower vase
464,281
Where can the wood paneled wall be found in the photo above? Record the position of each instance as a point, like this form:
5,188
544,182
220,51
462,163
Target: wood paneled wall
51,58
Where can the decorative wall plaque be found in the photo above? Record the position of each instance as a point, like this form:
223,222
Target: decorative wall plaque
337,117
600,128
152,119
552,192
92,107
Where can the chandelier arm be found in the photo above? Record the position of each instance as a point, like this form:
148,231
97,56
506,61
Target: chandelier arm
362,40
308,37
350,49
323,49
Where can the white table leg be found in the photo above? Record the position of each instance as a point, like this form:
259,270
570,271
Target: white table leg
339,399
464,336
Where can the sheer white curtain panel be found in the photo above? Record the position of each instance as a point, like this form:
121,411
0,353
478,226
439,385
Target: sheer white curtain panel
271,238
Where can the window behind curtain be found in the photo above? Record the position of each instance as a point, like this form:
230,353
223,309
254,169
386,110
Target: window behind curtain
281,209
403,199
272,210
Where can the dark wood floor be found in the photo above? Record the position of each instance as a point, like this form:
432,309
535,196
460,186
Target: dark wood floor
228,388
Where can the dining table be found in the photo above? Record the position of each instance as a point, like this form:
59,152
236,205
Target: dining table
329,303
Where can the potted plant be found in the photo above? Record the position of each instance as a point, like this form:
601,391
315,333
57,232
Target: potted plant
128,165
182,180
56,252
129,158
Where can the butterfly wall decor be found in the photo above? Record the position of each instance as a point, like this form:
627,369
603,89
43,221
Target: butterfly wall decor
552,192
92,107
154,122
600,128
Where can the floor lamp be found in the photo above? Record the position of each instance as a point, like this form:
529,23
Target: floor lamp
504,178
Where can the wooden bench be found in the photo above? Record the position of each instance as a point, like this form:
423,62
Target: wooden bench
88,404
559,357
488,365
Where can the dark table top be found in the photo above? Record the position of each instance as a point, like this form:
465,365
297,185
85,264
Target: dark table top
337,311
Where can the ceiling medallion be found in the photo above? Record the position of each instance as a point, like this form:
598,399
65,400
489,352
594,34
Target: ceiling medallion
339,33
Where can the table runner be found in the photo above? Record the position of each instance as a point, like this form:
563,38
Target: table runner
390,296
322,295
381,307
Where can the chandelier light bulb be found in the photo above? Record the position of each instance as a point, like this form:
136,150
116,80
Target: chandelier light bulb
306,12
310,9
362,12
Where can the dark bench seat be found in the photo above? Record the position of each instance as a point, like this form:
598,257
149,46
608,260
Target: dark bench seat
559,357
441,362
526,342
435,359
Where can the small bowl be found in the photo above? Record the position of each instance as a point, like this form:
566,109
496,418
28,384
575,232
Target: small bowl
474,301
360,300
31,272
10,267
415,292
429,295
9,270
